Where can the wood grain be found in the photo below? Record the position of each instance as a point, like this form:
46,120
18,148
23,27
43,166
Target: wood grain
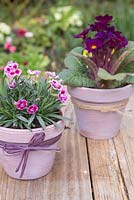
69,179
112,163
124,145
106,176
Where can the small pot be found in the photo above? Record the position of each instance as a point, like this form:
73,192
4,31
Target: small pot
39,162
99,111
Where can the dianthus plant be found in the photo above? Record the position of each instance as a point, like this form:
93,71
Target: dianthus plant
31,101
103,60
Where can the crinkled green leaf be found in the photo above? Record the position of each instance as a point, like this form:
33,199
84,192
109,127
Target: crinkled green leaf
72,62
77,50
128,63
104,75
76,79
130,79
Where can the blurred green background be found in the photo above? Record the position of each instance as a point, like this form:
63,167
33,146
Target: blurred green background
53,23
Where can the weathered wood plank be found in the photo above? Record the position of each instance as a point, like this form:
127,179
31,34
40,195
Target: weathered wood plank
69,179
124,145
106,176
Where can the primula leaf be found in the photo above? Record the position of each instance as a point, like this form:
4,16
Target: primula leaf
76,74
77,50
127,65
104,75
130,79
76,79
72,62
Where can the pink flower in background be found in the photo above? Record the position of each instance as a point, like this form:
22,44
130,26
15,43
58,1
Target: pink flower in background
1,68
25,63
62,96
34,72
12,49
32,109
8,46
55,84
52,74
21,104
20,32
12,70
12,85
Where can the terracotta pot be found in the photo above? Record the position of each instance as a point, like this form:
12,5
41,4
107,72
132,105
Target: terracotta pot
99,111
39,163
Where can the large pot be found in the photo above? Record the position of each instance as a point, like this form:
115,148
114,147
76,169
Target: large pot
39,161
99,111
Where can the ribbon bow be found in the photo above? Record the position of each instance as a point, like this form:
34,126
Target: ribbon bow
35,144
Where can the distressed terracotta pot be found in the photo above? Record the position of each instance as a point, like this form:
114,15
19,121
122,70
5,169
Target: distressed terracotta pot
39,163
99,111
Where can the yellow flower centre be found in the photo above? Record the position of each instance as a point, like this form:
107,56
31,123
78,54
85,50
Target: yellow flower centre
93,47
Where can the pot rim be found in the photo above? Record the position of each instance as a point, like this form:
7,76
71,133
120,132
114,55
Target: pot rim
27,131
101,95
100,90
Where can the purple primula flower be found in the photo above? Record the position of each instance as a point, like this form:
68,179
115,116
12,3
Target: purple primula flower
12,84
62,96
21,104
121,40
83,34
104,19
98,26
104,43
32,109
92,44
56,85
11,70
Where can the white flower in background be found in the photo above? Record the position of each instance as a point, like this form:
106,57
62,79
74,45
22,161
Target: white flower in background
64,9
75,19
57,16
29,34
1,37
8,40
46,21
4,28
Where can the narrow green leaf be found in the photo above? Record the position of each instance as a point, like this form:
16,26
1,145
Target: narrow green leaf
41,122
22,118
53,122
30,120
58,117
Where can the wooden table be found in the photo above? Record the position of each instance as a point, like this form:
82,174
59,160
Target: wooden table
84,169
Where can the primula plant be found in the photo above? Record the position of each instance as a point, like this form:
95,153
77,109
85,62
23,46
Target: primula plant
31,101
104,59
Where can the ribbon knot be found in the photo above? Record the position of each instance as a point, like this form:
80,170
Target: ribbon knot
35,144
